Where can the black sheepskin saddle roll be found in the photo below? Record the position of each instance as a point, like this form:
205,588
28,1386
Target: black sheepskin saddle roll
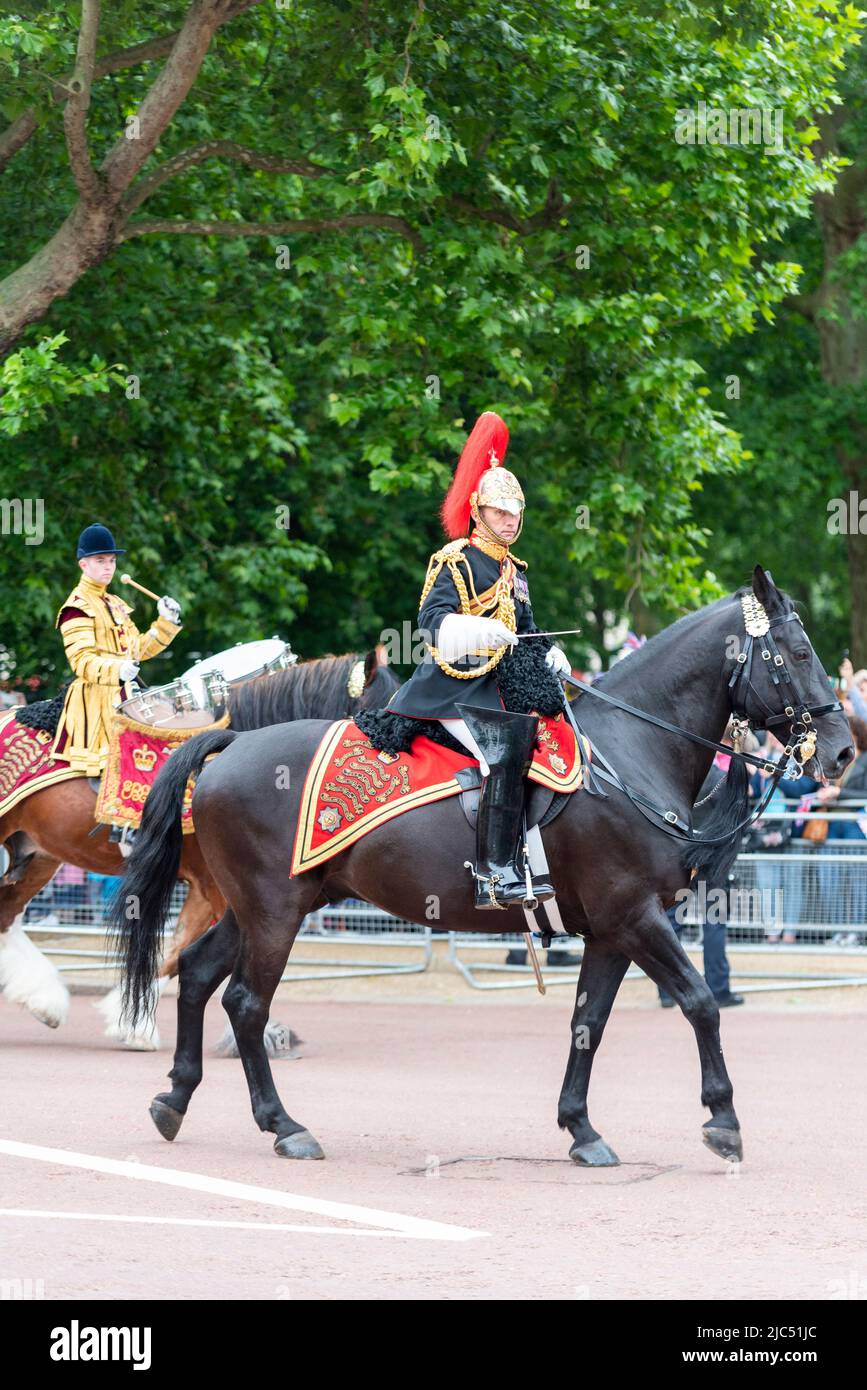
524,681
43,714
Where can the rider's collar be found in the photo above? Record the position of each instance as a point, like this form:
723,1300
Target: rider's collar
485,540
90,588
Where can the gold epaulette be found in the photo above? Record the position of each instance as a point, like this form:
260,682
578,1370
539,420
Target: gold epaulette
79,600
447,554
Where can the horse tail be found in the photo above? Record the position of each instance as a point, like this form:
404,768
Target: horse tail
712,862
138,911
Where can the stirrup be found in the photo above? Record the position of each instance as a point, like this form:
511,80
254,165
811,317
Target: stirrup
490,880
123,836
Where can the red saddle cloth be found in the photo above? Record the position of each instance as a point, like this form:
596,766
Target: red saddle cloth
351,789
26,764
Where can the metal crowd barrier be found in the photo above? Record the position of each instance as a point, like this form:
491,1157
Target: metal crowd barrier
805,899
64,910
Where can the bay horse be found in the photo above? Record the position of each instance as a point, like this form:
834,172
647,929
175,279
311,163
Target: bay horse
616,865
56,825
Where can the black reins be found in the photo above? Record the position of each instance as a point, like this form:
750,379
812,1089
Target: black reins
796,711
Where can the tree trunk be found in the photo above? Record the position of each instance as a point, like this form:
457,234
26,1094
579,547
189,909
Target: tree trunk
842,330
81,242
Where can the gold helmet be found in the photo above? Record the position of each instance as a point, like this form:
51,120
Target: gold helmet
481,480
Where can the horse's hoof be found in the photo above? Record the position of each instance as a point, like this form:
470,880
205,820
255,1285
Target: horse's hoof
299,1145
50,1007
50,1017
595,1154
141,1042
725,1142
167,1120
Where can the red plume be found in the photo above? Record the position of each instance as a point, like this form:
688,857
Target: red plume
489,432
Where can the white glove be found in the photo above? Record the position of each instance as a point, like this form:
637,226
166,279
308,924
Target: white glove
169,608
461,634
127,671
559,661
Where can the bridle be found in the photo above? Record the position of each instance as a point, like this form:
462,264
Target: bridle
796,711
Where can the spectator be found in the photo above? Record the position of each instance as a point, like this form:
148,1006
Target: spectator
70,889
771,835
716,965
853,690
841,886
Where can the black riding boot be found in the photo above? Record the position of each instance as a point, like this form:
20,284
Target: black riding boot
507,742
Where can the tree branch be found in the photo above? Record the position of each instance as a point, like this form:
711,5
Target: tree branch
75,112
168,90
269,229
804,304
16,135
545,217
223,149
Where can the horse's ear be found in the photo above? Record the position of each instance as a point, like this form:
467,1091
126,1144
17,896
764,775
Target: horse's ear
766,590
371,662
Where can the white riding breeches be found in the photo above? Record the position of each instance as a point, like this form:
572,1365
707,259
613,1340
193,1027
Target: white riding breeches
458,729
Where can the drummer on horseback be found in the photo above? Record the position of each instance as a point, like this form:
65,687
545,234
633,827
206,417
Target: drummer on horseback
474,601
104,648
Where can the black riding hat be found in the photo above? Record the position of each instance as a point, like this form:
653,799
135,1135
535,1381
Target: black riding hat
96,540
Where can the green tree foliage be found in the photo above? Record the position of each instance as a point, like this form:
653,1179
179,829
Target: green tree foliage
489,209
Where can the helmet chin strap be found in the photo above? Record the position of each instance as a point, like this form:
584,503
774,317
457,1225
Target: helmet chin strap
487,531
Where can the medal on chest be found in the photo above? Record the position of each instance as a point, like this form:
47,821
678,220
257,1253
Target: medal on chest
522,592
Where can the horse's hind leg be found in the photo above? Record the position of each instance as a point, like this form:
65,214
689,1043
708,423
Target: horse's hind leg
195,918
27,977
655,948
265,946
601,975
201,968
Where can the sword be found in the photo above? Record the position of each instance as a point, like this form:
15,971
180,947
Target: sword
567,632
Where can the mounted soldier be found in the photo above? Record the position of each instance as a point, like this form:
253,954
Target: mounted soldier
474,603
104,648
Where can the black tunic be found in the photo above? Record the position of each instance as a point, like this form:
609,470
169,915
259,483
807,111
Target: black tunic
431,693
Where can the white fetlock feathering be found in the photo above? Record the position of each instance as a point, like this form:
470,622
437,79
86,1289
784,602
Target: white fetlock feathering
280,1042
144,1037
28,978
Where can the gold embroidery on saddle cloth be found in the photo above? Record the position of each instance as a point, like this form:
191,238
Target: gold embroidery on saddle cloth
361,780
20,756
550,745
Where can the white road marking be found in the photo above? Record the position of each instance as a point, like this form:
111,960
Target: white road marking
203,1221
241,1191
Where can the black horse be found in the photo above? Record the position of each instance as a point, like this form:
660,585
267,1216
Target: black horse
616,865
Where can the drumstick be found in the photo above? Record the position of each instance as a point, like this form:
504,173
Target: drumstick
126,579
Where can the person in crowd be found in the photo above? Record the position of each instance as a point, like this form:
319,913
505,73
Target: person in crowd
716,965
842,888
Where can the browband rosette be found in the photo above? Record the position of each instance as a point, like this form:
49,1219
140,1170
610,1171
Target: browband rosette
756,620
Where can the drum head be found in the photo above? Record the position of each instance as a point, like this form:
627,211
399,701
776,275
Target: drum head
174,706
243,661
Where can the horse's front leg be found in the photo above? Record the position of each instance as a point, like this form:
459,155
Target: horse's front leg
602,972
27,976
654,946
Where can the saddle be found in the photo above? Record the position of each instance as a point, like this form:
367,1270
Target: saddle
542,804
